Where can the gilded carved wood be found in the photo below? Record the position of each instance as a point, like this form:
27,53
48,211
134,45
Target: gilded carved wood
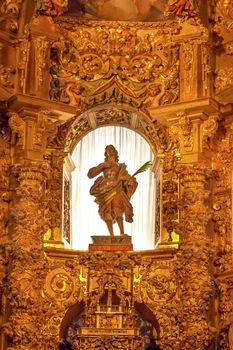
170,81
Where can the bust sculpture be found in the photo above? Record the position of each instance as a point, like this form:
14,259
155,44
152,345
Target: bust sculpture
113,190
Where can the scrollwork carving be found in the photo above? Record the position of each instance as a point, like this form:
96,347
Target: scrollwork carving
60,285
224,15
124,77
224,78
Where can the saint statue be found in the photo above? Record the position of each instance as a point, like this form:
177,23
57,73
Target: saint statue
113,190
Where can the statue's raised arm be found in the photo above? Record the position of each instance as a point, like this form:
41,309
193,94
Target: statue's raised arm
113,190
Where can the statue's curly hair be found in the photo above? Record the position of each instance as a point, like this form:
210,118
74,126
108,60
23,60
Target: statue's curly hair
113,149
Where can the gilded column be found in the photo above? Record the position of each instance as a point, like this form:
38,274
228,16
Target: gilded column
30,132
193,260
5,199
27,264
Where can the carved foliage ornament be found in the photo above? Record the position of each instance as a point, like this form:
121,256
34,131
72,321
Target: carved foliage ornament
224,78
224,15
125,61
154,132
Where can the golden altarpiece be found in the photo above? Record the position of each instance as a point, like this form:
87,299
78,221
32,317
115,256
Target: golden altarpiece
164,70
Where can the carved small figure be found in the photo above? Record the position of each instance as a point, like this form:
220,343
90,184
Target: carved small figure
181,7
52,7
17,126
156,92
113,190
73,91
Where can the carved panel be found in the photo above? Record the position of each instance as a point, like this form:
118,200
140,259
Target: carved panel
128,63
224,78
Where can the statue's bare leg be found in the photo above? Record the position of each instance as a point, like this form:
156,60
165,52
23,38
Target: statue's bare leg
120,224
110,227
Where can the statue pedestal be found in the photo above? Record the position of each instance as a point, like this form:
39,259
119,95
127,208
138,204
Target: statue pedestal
111,243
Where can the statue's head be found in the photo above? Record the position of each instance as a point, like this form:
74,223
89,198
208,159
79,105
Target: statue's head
109,151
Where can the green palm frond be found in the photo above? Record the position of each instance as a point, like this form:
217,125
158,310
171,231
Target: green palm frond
143,168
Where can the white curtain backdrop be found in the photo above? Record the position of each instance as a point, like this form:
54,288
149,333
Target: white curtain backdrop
134,151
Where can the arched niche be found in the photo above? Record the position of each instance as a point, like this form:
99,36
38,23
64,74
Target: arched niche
110,115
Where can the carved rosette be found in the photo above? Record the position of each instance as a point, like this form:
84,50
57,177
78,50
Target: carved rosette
62,289
157,288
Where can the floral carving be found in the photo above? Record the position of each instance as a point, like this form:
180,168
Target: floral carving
224,15
224,78
86,55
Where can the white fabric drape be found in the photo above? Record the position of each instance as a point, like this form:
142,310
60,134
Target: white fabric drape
134,151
